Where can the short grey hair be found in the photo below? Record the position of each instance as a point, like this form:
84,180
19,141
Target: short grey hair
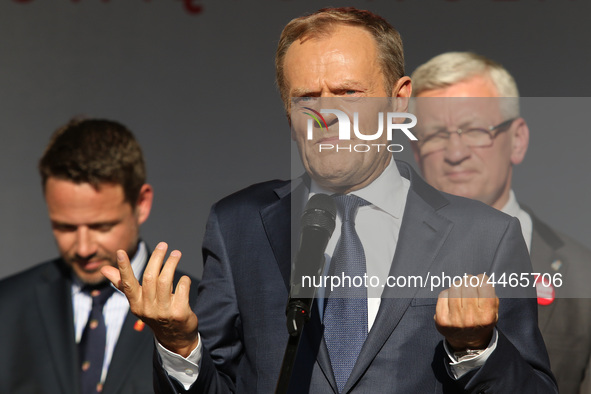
452,67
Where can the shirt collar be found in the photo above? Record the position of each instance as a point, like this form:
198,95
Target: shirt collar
383,193
139,260
512,207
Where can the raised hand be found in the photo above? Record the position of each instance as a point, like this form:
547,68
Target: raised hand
167,313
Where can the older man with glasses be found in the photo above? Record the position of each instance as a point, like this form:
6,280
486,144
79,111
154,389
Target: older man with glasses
470,135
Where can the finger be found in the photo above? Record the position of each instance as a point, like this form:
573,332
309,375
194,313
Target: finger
455,302
128,283
489,304
487,299
488,310
181,304
112,274
442,308
469,292
181,293
152,271
164,290
487,290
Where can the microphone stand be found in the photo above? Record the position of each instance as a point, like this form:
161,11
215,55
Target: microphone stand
298,313
317,225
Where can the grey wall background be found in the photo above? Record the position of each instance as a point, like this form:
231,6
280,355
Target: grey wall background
198,91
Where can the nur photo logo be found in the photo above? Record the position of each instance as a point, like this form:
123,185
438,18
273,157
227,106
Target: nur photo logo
387,122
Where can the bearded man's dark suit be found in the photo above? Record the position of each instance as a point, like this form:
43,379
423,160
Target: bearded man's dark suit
243,294
566,322
37,340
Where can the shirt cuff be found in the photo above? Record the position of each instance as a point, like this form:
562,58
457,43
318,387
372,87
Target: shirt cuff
185,370
467,363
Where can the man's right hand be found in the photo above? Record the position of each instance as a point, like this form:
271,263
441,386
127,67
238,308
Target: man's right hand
168,314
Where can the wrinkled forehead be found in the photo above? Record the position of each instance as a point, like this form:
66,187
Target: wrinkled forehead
456,111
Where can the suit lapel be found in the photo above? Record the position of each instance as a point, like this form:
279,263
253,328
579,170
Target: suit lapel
57,322
544,245
284,246
278,233
130,345
542,256
313,347
422,233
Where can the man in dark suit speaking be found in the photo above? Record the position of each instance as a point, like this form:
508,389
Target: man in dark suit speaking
64,328
466,92
234,341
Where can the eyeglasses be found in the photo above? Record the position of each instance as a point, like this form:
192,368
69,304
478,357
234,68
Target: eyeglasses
474,137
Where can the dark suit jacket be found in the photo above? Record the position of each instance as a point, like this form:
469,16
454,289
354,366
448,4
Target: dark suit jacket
243,294
37,340
565,323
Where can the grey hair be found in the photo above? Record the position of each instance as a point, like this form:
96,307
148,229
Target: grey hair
452,67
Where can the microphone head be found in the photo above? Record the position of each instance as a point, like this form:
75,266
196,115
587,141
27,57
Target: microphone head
320,212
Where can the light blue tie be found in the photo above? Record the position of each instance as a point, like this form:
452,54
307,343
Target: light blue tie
345,314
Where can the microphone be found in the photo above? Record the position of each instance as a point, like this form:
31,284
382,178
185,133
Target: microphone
317,226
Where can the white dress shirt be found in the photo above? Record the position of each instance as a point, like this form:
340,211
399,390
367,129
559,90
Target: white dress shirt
114,311
377,226
512,208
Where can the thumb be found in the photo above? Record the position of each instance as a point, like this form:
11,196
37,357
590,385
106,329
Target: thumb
112,274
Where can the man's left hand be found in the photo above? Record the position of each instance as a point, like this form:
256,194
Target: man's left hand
466,315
